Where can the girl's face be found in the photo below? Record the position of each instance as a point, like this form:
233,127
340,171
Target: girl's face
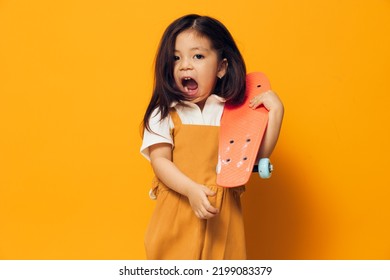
197,66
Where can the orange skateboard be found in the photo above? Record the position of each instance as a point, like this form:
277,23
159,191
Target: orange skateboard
242,130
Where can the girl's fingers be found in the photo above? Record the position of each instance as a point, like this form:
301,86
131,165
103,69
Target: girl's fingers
212,210
207,213
268,99
209,192
256,101
203,209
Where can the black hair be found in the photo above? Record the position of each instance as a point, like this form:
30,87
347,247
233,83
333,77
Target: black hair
231,86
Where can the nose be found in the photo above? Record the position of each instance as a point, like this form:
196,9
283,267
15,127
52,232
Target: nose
185,64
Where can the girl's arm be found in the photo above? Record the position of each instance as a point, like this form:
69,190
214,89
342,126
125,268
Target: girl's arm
172,177
274,105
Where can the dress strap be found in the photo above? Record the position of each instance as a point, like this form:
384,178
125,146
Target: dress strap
175,118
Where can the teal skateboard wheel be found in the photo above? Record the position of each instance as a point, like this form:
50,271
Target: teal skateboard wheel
265,168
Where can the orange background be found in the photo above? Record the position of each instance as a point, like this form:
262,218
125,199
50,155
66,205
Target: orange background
75,79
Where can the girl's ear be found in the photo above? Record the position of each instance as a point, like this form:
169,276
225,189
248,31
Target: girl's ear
223,65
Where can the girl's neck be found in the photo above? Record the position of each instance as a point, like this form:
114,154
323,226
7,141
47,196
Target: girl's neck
201,104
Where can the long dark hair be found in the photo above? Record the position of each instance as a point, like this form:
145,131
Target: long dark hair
231,86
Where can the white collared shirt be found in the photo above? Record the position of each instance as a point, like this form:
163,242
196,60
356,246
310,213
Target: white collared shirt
191,114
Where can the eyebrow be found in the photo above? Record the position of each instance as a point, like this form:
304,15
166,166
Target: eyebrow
196,49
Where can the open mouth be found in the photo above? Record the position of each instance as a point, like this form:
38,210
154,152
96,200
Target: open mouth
189,85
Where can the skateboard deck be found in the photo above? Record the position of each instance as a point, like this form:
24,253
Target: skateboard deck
241,132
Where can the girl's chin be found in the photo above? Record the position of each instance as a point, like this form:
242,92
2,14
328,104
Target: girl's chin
191,93
198,99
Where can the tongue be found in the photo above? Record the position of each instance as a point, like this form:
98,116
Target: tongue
191,84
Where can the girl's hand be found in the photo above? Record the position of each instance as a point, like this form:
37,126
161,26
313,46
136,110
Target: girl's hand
172,177
200,203
275,107
269,99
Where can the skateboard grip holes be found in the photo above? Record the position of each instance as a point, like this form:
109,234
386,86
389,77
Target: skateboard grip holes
228,160
248,140
231,141
245,158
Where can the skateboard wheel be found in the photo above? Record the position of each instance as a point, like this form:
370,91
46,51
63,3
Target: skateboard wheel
265,168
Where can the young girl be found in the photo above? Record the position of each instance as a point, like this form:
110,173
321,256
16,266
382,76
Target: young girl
198,69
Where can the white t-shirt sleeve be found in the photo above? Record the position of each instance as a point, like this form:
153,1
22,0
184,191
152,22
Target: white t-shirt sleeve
160,133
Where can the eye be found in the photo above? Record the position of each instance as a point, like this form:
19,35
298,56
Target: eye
176,58
198,56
